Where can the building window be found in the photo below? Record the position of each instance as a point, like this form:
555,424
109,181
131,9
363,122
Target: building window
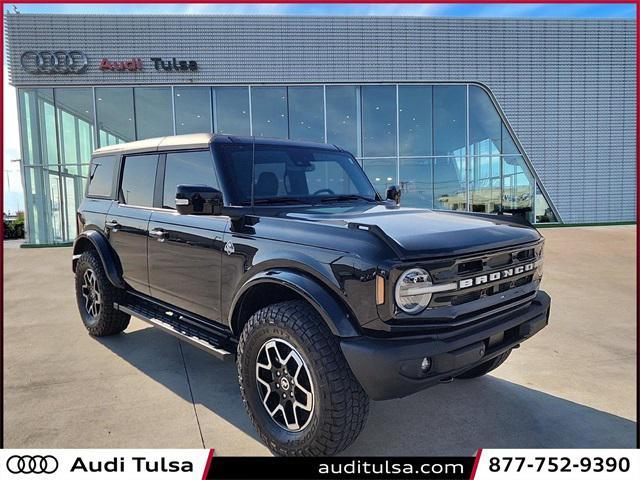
74,107
40,160
416,182
269,112
544,213
193,109
517,184
414,136
484,123
306,114
154,112
382,172
114,110
187,168
378,121
49,145
232,111
508,144
342,117
74,114
449,120
414,113
449,183
484,184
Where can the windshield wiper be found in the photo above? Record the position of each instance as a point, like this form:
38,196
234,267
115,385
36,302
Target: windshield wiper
276,200
339,198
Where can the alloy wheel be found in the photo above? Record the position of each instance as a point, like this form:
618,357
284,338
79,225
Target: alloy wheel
91,293
284,385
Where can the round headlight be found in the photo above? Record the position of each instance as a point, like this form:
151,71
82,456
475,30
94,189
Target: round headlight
410,290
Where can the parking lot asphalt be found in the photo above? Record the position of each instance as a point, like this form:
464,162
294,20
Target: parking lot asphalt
573,385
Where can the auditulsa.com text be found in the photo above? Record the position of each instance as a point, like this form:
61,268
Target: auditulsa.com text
387,467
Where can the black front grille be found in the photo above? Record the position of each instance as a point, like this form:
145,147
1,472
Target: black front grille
465,297
470,267
500,260
479,265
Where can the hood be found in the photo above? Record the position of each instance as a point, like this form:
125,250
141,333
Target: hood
421,232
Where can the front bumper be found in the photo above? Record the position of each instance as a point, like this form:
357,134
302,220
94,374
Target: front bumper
390,367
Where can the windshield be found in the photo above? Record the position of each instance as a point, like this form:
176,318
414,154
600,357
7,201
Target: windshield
293,175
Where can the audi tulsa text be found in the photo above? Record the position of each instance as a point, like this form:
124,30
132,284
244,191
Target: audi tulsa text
283,256
139,464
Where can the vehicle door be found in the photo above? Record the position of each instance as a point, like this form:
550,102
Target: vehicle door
185,250
128,218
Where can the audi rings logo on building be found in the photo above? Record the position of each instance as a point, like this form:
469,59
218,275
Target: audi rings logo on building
32,464
54,62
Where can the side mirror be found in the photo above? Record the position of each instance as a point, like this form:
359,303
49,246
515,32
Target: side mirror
198,200
394,193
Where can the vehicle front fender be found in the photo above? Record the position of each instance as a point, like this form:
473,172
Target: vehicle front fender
334,312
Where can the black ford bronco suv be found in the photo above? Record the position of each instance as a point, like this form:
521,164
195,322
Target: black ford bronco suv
283,255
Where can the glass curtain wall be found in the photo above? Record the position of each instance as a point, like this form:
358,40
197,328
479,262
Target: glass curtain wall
446,145
57,136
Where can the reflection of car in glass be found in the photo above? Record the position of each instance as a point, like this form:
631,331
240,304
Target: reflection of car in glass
517,200
283,255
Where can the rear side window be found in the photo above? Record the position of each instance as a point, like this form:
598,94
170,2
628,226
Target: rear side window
101,174
138,180
187,168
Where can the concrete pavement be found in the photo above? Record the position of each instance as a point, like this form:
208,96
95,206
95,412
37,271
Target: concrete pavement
573,385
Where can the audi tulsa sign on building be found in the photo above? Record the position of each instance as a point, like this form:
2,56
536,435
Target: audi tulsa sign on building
53,62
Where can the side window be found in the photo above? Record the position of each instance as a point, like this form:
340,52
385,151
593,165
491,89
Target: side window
138,180
271,168
187,168
101,177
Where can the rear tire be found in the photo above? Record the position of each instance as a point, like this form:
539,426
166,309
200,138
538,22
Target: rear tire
318,411
486,367
95,295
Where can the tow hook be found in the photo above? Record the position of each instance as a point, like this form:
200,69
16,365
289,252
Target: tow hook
446,380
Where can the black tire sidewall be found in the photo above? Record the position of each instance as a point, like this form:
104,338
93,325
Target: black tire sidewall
274,432
85,263
110,320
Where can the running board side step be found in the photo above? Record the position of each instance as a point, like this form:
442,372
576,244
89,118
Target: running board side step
180,327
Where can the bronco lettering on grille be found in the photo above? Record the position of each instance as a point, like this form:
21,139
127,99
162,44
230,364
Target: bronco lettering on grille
495,276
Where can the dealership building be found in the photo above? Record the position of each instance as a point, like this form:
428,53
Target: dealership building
484,115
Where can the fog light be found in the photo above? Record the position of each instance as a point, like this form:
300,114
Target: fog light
425,365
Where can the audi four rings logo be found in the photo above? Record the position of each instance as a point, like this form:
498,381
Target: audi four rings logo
59,61
32,464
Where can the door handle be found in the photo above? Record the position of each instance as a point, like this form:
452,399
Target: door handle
113,225
158,234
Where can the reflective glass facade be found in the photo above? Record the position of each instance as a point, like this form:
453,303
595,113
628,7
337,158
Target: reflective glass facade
446,145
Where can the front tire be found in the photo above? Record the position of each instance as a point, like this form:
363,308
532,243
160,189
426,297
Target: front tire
95,295
296,385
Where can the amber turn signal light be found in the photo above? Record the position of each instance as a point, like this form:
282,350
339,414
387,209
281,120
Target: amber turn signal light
379,289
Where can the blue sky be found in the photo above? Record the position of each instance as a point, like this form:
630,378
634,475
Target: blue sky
427,9
13,197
